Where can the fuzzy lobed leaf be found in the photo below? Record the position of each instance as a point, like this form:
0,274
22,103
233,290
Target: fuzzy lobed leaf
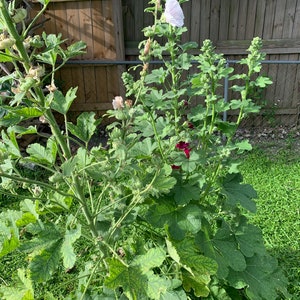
238,193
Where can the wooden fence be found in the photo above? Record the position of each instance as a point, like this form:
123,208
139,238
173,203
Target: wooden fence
112,30
99,25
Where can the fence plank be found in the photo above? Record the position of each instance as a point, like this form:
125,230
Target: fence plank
250,21
242,19
214,20
205,20
259,18
195,21
224,20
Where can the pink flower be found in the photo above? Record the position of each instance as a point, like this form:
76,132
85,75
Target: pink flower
118,102
173,13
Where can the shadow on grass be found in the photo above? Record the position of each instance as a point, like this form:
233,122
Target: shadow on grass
289,261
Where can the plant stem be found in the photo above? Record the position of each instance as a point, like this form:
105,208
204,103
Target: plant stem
15,35
25,33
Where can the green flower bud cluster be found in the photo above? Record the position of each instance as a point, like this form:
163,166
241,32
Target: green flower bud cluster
19,15
5,41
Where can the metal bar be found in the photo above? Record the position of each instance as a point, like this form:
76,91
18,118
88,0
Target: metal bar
157,62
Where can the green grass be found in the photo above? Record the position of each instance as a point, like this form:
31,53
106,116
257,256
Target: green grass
276,178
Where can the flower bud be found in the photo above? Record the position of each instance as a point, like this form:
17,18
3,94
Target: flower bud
36,42
36,72
128,103
27,42
51,88
19,15
6,43
147,47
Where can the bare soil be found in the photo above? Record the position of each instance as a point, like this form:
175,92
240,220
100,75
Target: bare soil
272,139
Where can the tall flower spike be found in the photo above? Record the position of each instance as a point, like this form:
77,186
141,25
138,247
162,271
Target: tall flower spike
173,13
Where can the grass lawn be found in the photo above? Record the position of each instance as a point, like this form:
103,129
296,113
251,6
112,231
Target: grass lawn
276,178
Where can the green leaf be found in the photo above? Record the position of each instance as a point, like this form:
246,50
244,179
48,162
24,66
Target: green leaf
143,149
76,49
44,2
67,249
30,207
62,103
227,249
157,286
156,76
20,130
161,181
244,146
44,264
238,193
187,164
153,258
48,57
40,154
249,238
174,295
15,115
11,144
175,256
236,104
58,202
201,266
188,46
8,57
9,244
263,81
183,61
133,282
180,220
192,282
217,291
68,167
183,194
262,279
137,280
9,232
86,126
45,237
22,288
162,184
198,268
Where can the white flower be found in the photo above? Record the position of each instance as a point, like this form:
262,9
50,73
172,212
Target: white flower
117,102
173,13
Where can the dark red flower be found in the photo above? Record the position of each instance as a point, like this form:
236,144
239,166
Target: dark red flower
174,167
187,152
182,145
190,125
